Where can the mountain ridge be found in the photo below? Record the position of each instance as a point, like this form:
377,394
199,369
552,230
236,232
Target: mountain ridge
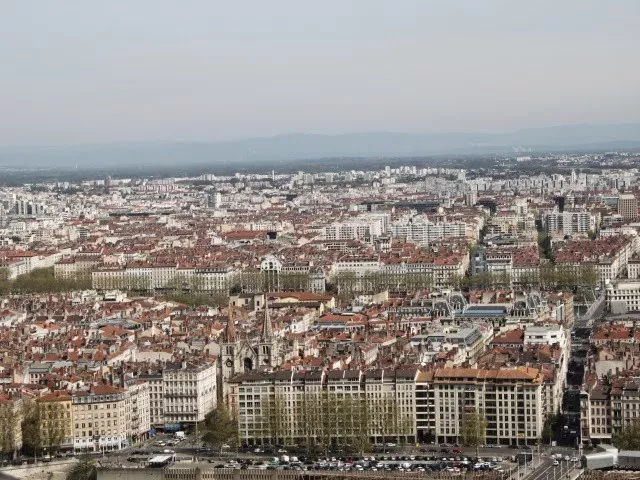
307,146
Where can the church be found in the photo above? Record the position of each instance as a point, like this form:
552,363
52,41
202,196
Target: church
243,355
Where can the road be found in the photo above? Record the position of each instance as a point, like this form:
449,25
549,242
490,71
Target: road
547,471
190,445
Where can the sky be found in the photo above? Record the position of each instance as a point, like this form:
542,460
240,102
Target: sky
84,71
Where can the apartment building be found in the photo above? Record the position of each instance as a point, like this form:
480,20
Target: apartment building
74,266
141,275
56,412
189,391
364,228
156,398
422,231
509,399
625,403
609,256
334,407
623,296
595,414
628,206
608,407
568,223
99,418
403,404
137,409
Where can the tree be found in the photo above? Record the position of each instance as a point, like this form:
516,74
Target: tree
32,441
549,428
52,423
85,469
220,427
9,429
275,419
628,438
473,430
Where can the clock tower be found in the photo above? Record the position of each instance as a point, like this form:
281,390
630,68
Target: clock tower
231,362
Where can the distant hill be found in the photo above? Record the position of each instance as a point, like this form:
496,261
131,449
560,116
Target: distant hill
309,146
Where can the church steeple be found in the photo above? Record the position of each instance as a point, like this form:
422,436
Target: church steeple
267,330
230,330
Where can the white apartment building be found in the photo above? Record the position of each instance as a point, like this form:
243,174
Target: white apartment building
623,295
150,276
360,266
422,231
190,392
553,334
179,396
137,409
546,335
364,228
568,223
156,398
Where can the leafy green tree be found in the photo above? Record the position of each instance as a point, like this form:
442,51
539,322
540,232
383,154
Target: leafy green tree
43,280
198,299
85,469
549,428
51,422
220,427
628,438
473,430
9,418
32,440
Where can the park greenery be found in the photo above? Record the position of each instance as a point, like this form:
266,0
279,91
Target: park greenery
40,280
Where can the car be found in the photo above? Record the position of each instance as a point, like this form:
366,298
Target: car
456,450
556,463
574,459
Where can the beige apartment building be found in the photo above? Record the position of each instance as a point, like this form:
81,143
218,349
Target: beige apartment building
337,407
99,417
401,405
509,399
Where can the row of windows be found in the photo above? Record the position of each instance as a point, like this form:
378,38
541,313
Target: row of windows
96,406
97,424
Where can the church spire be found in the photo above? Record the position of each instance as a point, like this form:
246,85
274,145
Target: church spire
267,331
230,330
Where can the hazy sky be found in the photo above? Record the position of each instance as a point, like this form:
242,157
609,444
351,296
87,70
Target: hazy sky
78,71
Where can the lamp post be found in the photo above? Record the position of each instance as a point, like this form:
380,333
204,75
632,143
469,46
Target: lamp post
196,412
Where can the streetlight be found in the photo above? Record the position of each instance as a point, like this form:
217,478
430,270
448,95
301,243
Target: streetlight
196,412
